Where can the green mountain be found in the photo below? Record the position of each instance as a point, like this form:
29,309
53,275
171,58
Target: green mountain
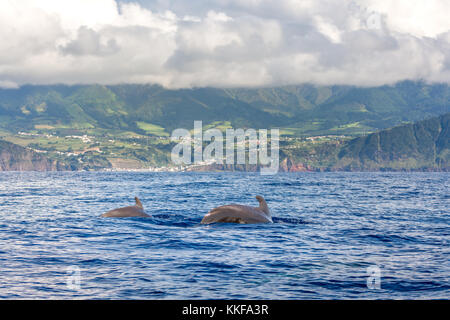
127,126
422,146
302,110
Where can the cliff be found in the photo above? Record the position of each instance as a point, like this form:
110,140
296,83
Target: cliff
424,146
420,146
17,158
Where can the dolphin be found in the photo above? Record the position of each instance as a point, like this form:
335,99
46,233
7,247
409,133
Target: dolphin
236,213
132,211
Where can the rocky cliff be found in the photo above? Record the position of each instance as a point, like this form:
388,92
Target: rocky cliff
17,158
420,146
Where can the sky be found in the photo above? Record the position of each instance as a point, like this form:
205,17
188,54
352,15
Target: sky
224,43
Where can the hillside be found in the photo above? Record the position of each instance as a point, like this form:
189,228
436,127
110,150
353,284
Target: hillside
302,110
17,158
424,145
94,127
421,146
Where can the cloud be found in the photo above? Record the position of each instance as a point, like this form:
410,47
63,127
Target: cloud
89,42
224,43
8,84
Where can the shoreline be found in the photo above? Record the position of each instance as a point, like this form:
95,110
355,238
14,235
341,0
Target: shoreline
428,170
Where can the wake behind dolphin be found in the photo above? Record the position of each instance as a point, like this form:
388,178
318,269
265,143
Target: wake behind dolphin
132,211
236,213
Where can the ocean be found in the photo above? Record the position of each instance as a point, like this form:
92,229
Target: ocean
335,236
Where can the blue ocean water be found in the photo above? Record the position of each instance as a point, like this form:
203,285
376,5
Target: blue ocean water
330,231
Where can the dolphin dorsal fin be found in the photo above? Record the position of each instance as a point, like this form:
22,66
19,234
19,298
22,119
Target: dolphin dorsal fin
263,205
138,203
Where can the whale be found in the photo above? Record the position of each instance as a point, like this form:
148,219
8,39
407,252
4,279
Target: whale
237,213
132,211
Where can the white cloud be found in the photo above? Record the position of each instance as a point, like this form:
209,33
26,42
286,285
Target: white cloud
8,85
224,42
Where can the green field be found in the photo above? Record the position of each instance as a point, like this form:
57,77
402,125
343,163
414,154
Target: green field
152,129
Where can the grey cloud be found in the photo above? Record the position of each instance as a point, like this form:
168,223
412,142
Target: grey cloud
224,43
89,42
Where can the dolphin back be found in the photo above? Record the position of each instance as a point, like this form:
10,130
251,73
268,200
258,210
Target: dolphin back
131,211
235,213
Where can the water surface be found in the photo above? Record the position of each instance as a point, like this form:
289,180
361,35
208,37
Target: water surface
328,229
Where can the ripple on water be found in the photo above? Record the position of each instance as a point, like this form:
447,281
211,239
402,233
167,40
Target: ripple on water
328,229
